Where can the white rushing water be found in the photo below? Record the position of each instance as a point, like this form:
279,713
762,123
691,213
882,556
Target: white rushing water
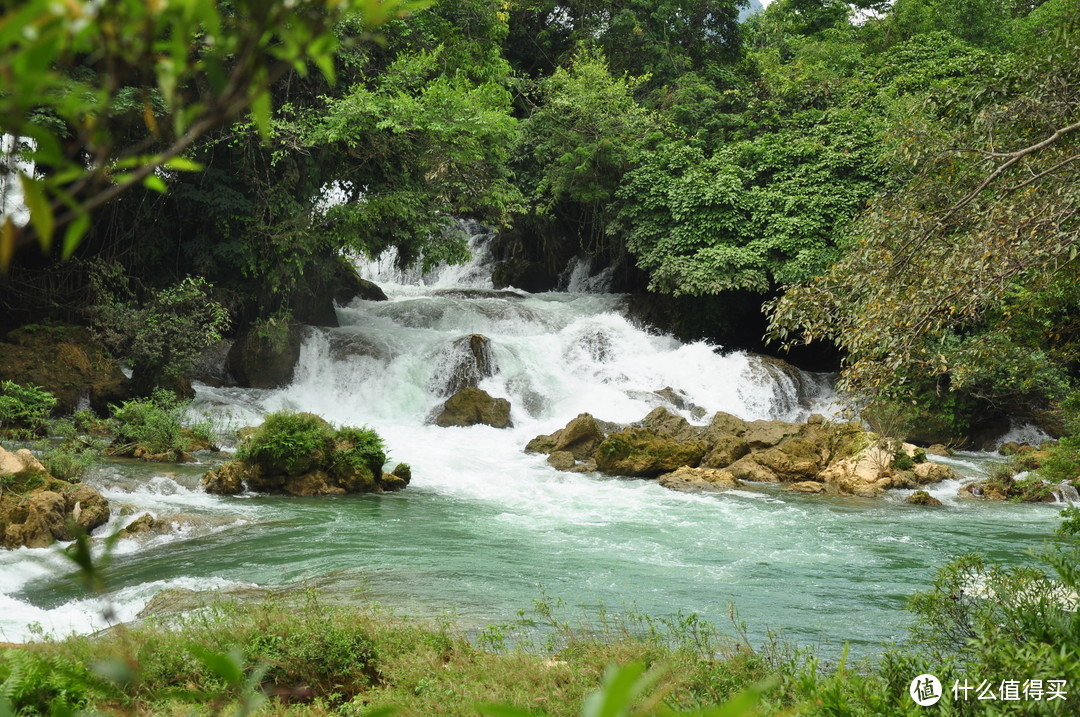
485,527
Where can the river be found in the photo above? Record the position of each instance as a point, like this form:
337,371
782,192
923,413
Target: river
484,528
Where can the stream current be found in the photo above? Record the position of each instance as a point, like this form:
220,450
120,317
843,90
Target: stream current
484,528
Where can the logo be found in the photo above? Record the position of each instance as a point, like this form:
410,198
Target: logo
925,690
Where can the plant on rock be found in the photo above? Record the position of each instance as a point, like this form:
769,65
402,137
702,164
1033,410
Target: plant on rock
24,410
301,454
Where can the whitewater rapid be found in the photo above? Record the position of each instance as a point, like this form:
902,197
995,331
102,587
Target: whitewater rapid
485,528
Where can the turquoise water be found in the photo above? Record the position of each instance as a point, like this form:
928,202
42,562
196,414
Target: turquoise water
485,528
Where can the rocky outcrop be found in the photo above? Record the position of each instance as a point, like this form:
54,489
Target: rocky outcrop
68,362
472,406
266,357
348,460
466,362
811,457
36,509
699,480
921,497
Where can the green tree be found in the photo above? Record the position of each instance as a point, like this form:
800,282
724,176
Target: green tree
107,94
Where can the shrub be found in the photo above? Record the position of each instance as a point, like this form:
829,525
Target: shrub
359,448
289,443
69,460
24,410
156,424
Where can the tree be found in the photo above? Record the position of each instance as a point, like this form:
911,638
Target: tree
964,281
110,95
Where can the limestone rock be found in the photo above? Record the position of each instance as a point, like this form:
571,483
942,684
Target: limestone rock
145,524
807,486
644,452
561,460
18,461
226,479
938,449
466,362
78,367
921,497
863,474
257,360
580,437
725,451
391,482
699,480
87,507
472,406
748,469
930,472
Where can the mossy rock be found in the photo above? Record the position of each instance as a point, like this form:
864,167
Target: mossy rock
639,452
473,406
68,362
921,497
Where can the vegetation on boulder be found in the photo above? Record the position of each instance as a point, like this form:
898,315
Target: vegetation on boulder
301,454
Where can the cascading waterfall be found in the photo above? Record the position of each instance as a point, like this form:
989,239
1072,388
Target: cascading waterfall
485,528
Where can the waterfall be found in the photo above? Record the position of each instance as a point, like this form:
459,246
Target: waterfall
1065,492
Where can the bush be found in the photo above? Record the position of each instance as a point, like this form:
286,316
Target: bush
69,460
289,443
156,424
24,410
360,448
296,443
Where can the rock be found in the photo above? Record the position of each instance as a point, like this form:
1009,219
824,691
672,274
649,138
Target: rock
748,469
531,276
403,471
143,525
863,474
588,466
765,434
921,497
68,362
930,472
466,362
351,286
226,479
211,368
699,480
259,359
807,486
938,449
1013,448
580,437
561,460
643,452
18,462
472,406
391,482
88,508
43,521
725,451
681,401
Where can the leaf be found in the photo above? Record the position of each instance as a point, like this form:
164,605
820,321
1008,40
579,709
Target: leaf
74,234
41,214
228,666
155,183
183,164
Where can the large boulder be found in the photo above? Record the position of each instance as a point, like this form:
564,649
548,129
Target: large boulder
580,438
472,406
465,362
262,357
68,362
319,461
642,452
37,509
699,480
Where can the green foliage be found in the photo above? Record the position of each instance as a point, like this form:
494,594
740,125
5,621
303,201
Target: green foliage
164,334
108,93
960,280
288,443
155,424
71,458
1062,461
360,448
24,410
575,147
